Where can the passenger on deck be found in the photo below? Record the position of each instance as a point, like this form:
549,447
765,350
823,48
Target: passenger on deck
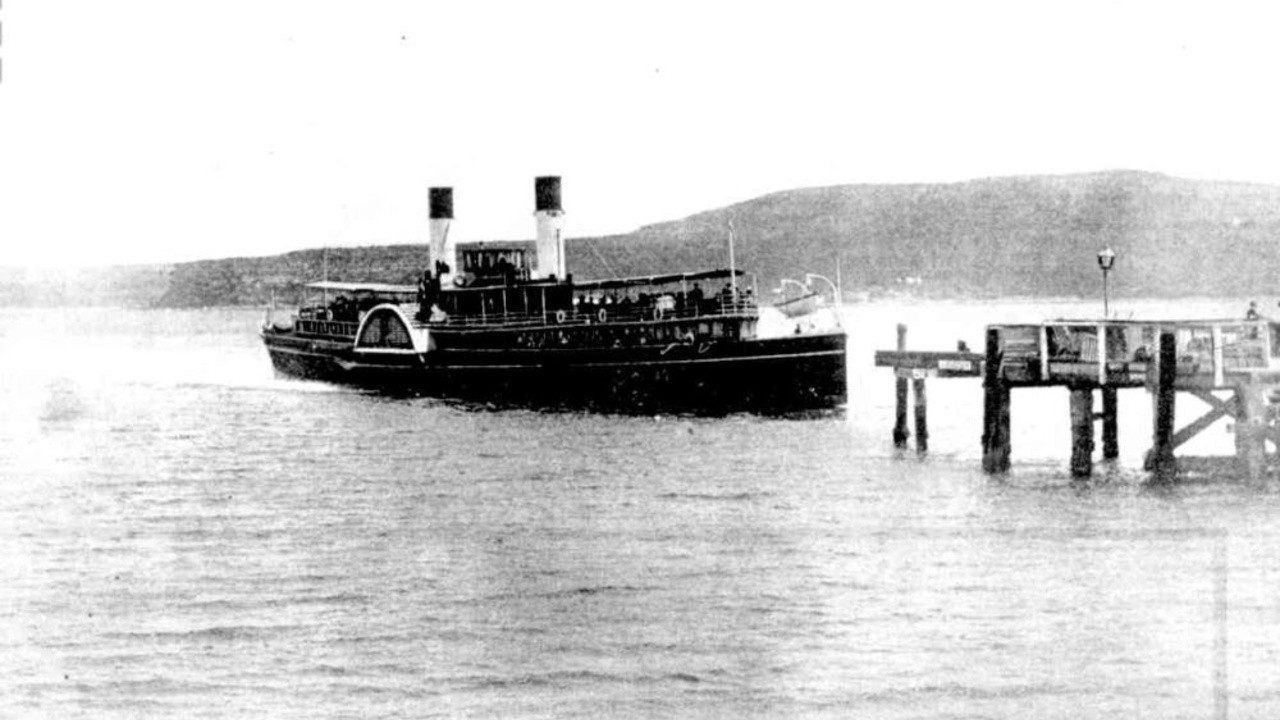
1252,312
695,298
727,296
505,269
341,309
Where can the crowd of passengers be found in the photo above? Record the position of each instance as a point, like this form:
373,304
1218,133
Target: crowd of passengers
343,309
644,305
679,304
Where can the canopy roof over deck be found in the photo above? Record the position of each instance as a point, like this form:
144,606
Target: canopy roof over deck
657,279
355,287
611,283
1152,321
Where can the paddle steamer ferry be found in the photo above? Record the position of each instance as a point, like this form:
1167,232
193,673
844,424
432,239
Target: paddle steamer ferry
509,326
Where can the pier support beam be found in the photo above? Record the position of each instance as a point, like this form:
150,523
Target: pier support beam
996,446
900,432
1081,431
1251,429
1110,427
1218,409
1161,460
922,421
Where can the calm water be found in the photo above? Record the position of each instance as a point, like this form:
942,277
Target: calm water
186,536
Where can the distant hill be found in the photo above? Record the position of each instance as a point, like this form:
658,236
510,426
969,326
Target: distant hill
1005,236
255,281
1035,235
112,286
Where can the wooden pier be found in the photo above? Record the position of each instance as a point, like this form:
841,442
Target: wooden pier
1231,365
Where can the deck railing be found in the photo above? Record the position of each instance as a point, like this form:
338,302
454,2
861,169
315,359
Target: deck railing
586,314
327,328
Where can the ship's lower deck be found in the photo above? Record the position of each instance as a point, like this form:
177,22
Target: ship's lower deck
769,376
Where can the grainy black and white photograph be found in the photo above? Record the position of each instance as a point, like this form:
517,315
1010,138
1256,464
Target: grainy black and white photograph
639,360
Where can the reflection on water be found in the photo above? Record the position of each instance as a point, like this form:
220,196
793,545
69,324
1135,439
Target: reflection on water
186,535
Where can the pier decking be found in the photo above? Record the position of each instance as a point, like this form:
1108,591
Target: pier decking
1232,365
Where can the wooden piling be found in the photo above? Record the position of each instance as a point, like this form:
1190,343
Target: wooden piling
922,423
1161,459
996,447
1110,425
1081,431
1251,435
900,433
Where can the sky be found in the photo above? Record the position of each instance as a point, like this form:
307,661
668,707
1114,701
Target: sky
139,131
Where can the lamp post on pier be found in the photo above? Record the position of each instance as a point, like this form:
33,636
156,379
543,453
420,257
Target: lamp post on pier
1106,258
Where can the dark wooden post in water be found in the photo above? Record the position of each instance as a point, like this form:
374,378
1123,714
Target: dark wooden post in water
917,367
1161,460
900,433
1251,438
1081,431
1110,427
995,410
922,423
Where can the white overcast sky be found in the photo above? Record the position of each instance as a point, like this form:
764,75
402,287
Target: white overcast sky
170,130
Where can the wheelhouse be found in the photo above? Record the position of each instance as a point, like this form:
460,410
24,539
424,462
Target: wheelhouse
486,262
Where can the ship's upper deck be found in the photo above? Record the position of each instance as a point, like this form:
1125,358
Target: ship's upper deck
635,299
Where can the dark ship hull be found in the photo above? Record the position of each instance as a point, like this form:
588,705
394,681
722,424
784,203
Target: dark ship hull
776,375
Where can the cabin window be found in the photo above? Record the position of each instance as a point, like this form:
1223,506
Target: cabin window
385,329
488,261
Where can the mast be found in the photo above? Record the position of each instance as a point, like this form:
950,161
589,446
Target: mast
733,271
839,290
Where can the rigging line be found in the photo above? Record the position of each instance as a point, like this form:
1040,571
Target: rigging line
607,268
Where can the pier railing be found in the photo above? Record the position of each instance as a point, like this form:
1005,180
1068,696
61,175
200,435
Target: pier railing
1123,352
